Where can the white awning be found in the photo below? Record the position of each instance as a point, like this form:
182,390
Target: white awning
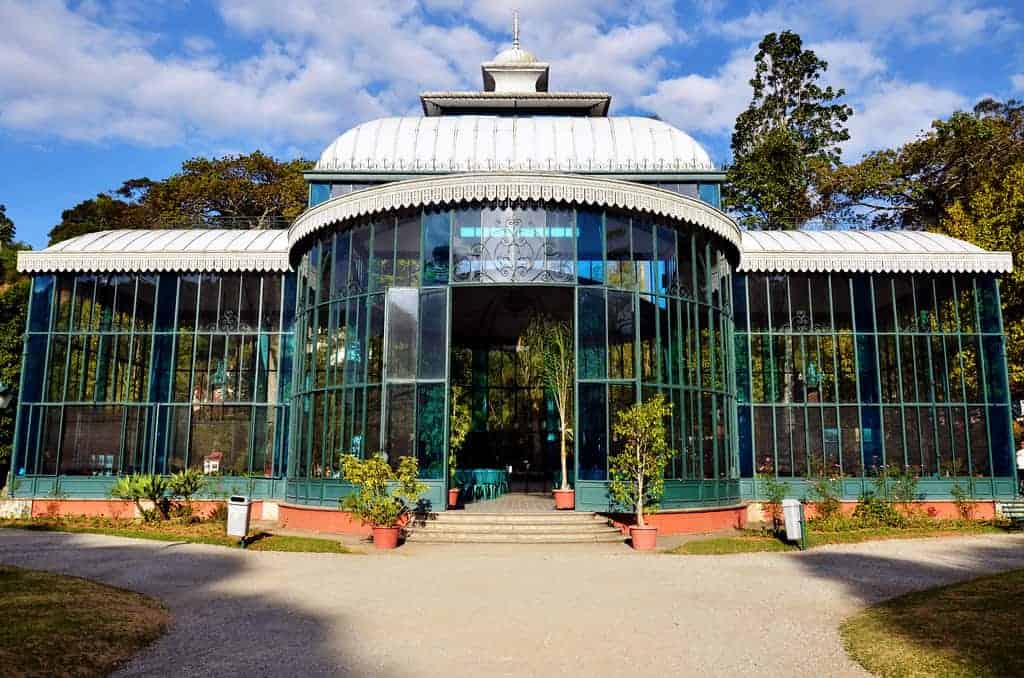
163,250
866,252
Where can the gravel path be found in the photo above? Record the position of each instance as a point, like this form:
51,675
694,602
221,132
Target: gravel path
494,610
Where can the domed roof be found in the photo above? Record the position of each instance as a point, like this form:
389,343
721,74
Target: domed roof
515,55
480,143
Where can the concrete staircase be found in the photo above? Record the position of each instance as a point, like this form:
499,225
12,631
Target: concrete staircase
459,527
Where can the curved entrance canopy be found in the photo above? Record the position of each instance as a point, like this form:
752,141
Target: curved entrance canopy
500,186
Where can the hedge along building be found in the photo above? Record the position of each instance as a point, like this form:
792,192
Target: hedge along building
260,357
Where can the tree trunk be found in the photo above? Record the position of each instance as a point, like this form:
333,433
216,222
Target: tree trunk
565,471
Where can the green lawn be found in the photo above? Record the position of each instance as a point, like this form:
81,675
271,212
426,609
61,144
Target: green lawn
64,626
205,532
968,629
751,541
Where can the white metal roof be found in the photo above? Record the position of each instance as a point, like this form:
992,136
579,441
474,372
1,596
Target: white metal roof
163,250
481,143
867,252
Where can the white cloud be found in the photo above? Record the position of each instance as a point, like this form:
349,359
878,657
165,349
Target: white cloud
1017,80
896,112
954,23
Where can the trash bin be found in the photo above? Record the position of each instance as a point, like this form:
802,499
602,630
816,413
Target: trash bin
791,513
238,516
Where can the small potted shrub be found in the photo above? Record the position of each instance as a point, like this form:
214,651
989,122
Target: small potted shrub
638,472
382,497
459,425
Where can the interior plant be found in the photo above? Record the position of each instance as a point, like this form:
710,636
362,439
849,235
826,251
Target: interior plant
638,471
552,341
458,429
382,496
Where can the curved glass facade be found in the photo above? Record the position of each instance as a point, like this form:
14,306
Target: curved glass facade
652,313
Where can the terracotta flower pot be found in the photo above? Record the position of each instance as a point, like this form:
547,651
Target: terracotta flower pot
453,497
385,537
643,538
565,500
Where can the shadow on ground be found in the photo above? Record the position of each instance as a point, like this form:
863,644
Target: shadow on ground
223,624
963,626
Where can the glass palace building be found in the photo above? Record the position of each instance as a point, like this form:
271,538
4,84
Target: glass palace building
261,357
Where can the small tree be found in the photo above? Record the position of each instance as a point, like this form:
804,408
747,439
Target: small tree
186,484
382,495
136,488
638,472
458,429
553,342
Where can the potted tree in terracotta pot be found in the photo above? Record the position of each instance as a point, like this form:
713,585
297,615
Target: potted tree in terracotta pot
638,471
458,428
383,497
552,343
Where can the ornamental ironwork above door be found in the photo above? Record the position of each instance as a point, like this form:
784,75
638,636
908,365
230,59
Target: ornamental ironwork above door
517,246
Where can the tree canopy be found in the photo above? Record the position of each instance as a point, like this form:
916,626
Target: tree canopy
790,133
6,227
244,190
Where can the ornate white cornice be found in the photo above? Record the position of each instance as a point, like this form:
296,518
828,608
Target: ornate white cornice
512,186
860,262
156,262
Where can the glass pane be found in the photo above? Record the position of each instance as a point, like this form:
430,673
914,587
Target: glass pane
271,309
433,331
842,311
209,300
342,251
945,303
885,312
757,288
924,297
360,263
621,326
592,425
559,247
430,443
590,246
42,289
778,302
401,409
374,340
648,339
230,293
407,251
965,303
436,248
91,443
592,332
466,245
249,310
620,266
220,440
402,319
850,440
643,254
64,297
383,270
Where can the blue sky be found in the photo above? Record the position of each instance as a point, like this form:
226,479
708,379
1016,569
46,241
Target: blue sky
94,92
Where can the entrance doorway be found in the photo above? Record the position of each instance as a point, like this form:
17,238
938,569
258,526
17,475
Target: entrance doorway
514,421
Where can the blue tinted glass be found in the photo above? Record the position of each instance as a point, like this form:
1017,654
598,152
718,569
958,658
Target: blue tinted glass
711,194
289,302
746,442
165,299
867,371
739,301
988,298
436,250
863,309
1002,445
871,435
42,288
995,369
319,193
593,442
590,247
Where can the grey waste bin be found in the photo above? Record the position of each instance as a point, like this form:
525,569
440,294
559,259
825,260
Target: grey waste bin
238,516
794,523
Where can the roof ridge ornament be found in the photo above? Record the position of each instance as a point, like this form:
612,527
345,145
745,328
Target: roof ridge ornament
515,29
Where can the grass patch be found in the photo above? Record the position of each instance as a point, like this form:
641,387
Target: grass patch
55,625
754,541
968,629
202,532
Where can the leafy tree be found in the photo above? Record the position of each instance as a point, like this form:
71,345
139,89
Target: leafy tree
638,472
6,227
250,189
788,136
13,309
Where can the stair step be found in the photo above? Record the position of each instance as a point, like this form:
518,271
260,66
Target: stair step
508,518
514,528
492,538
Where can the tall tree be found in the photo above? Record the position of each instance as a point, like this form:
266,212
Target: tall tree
249,190
789,134
6,227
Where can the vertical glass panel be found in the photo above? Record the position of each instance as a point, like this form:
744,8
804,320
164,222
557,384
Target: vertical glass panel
648,325
249,307
42,290
821,307
136,449
63,300
946,441
739,302
1001,441
764,440
590,246
402,334
621,327
757,288
401,419
359,276
342,251
741,352
924,296
892,420
940,377
830,437
864,307
643,254
620,397
91,444
466,245
407,251
230,295
922,369
888,371
903,291
271,305
746,441
592,424
778,302
926,431
355,333
592,331
209,300
124,304
436,248
847,368
85,287
374,337
800,303
815,443
961,452
560,245
955,373
799,438
319,193
55,368
264,427
995,369
103,313
220,439
667,269
885,312
971,368
433,333
945,303
620,266
965,303
978,429
907,368
871,435
849,425
326,274
867,371
842,311
430,443
784,428
383,264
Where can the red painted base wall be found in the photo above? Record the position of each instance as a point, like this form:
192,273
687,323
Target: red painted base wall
689,522
320,520
983,510
113,508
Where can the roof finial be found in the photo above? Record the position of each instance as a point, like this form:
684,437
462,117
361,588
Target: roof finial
515,29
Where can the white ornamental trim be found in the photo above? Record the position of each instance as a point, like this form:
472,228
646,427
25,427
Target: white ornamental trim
157,262
502,186
862,262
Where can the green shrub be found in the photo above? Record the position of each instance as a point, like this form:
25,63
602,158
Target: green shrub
186,484
875,511
774,492
964,499
137,488
638,472
825,497
382,495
